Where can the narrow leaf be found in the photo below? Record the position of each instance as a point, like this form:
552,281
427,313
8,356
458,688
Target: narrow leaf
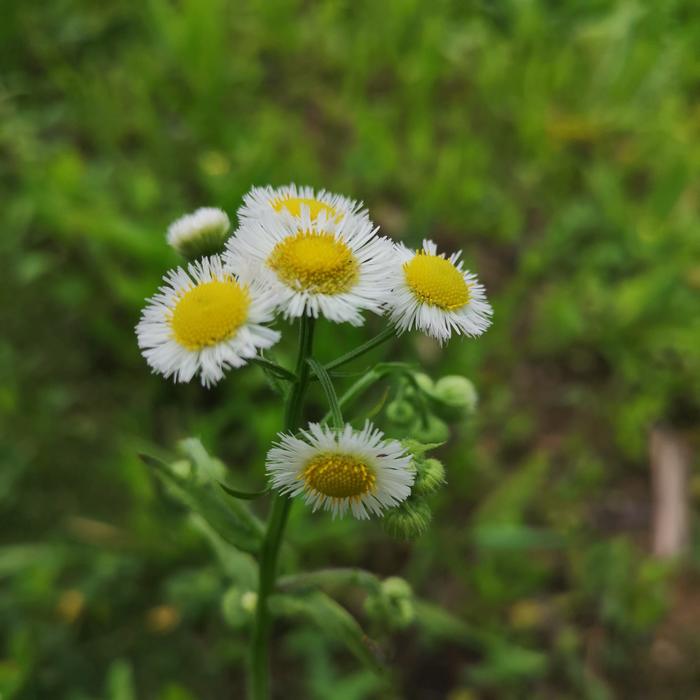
235,523
244,495
273,368
329,390
333,620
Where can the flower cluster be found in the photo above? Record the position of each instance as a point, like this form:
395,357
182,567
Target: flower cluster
298,252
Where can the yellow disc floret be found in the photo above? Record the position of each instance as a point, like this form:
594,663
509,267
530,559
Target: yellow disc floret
338,475
294,204
435,280
209,313
314,262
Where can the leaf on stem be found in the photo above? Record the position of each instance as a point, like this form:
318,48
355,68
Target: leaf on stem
234,522
333,620
327,385
243,495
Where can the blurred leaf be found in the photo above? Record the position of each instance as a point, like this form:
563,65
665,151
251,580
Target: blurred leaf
332,619
234,523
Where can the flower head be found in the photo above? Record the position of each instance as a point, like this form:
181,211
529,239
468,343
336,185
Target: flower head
315,265
201,233
356,470
204,321
434,294
262,202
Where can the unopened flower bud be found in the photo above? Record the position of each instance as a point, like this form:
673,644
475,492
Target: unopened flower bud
424,382
409,520
429,429
237,606
199,234
430,476
392,605
400,412
455,397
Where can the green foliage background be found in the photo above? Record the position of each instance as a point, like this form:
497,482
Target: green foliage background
557,143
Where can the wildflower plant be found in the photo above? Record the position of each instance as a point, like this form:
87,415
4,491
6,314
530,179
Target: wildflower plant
306,256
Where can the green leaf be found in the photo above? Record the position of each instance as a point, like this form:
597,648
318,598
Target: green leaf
232,520
240,566
379,405
438,623
272,368
208,468
333,620
243,495
331,578
329,391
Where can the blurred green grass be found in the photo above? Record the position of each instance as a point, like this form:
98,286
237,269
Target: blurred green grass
556,143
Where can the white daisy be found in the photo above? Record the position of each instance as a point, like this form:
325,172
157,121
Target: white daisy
204,321
315,266
434,294
262,201
203,232
339,471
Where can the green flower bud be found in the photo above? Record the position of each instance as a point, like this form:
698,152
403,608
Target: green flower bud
424,382
392,605
455,397
409,520
400,412
430,476
395,587
202,233
236,608
432,429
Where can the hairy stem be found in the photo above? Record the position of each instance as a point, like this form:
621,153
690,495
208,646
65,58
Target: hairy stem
259,661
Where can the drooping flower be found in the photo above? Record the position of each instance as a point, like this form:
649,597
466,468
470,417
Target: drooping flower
434,294
355,470
204,321
315,265
261,202
199,234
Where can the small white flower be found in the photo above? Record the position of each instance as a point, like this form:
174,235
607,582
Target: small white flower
203,232
291,199
204,321
434,294
343,470
315,266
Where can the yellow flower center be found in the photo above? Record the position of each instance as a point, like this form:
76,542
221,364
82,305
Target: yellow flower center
435,280
209,313
338,476
314,262
293,206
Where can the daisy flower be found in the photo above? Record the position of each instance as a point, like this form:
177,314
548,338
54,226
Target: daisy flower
264,201
315,266
436,295
204,321
343,470
201,233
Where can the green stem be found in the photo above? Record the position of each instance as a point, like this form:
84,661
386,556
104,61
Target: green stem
360,350
259,660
